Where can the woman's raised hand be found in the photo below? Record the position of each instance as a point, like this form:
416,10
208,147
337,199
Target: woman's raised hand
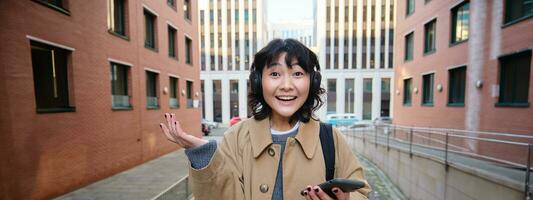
175,134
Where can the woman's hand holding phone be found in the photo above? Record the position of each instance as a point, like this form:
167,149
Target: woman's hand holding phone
175,133
337,188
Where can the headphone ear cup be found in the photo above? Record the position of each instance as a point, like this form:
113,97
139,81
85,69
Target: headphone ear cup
256,82
316,77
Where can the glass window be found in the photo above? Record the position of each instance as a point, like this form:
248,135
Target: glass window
151,90
150,27
119,85
188,51
514,79
332,96
367,98
117,17
409,47
189,94
187,9
171,42
59,5
349,97
173,102
171,3
407,88
429,36
427,89
50,77
518,9
456,88
410,7
460,21
385,97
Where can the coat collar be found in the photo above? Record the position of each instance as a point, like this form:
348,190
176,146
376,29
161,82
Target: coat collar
307,136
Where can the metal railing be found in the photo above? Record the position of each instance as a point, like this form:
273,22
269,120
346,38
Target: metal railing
179,190
488,146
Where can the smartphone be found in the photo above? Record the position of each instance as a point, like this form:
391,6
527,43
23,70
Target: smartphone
346,185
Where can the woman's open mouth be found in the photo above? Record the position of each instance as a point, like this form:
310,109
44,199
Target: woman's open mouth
286,98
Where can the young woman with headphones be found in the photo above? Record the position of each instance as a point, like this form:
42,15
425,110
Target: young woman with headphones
276,153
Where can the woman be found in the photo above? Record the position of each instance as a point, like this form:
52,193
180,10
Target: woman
276,153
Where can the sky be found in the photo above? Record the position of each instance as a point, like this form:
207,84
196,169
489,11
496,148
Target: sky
282,10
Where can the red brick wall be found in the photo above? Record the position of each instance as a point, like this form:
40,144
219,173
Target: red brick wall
45,155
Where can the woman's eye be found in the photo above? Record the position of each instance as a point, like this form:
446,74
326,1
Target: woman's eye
299,74
275,74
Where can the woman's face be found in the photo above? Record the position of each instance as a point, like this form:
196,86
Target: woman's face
285,89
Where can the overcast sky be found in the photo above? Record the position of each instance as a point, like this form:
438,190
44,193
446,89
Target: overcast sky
281,10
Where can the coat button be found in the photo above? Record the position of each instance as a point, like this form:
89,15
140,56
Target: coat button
263,188
271,152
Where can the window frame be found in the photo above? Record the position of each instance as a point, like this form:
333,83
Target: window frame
431,24
507,22
65,85
155,88
187,15
409,5
176,91
172,48
112,19
62,9
451,102
409,97
153,20
188,51
189,92
453,23
412,37
428,93
501,81
126,82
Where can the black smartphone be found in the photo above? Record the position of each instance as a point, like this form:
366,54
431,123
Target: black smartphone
346,185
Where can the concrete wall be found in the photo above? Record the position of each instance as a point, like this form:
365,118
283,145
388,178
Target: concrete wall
421,177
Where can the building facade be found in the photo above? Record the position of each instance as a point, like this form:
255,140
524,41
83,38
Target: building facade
465,65
301,30
231,31
84,86
355,42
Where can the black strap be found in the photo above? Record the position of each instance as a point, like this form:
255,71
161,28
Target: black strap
328,149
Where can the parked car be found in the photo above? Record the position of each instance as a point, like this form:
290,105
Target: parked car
205,129
234,120
383,120
212,125
341,119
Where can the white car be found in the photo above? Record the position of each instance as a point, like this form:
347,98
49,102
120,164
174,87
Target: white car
212,125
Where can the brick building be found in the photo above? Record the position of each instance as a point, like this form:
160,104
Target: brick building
84,85
465,65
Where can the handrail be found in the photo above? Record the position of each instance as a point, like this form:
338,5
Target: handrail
412,132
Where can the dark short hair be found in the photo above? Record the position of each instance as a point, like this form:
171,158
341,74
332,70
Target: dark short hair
306,59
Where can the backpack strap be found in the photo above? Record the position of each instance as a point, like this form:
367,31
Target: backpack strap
328,149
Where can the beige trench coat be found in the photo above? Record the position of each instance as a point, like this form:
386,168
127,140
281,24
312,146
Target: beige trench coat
245,164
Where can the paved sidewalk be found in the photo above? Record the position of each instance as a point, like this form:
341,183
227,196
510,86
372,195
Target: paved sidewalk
139,183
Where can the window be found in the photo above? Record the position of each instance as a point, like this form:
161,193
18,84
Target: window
514,79
460,18
150,30
173,102
116,17
50,78
59,5
171,42
188,51
189,94
516,10
407,84
187,9
408,47
410,7
429,36
151,90
456,88
332,96
119,86
367,98
171,3
427,89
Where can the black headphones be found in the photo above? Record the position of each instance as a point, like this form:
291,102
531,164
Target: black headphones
255,80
